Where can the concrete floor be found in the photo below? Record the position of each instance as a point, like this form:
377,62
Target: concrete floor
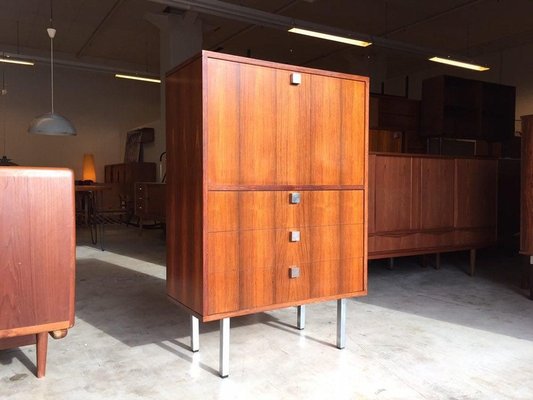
419,334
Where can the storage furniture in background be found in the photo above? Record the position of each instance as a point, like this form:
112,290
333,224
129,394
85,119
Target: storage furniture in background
427,204
526,199
150,202
124,176
37,257
266,197
466,108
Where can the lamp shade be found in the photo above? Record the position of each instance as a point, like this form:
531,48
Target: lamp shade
89,171
52,124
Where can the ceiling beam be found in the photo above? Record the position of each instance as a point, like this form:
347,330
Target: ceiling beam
88,42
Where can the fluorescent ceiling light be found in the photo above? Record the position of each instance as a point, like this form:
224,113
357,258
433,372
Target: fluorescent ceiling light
327,36
137,78
460,64
14,61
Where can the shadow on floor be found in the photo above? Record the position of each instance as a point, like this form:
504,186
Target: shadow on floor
492,300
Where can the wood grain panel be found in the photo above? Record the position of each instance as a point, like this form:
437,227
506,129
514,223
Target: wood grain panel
371,194
37,247
326,130
393,193
437,179
257,104
222,273
526,176
353,125
475,193
293,118
234,210
223,121
185,185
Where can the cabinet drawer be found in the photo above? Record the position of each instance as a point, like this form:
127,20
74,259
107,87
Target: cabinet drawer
244,210
251,268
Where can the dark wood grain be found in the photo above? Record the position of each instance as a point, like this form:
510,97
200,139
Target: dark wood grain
185,185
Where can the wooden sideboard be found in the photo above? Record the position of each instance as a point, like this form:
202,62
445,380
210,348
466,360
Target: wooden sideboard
430,204
266,188
37,257
526,198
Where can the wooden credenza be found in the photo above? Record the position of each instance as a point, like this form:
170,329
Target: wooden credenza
431,204
150,202
37,257
266,192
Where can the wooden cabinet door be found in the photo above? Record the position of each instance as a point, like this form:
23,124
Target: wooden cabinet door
475,193
395,192
437,185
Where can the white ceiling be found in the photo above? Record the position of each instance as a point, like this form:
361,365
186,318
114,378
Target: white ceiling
115,31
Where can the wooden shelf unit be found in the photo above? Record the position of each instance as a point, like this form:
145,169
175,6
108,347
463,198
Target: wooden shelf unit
241,140
37,262
526,198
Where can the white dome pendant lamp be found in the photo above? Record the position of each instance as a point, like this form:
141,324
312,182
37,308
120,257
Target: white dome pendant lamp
52,123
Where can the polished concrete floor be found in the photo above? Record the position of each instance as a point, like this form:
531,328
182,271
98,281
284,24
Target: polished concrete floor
421,333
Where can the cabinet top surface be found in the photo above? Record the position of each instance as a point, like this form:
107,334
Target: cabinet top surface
205,54
35,171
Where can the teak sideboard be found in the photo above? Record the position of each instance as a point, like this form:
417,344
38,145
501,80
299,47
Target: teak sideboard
526,195
37,257
266,193
421,204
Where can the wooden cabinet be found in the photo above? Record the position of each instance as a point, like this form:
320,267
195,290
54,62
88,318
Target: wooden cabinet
123,177
427,204
465,108
150,201
243,143
37,262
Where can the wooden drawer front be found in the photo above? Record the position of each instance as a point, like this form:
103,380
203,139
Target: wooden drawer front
244,266
411,241
244,210
475,237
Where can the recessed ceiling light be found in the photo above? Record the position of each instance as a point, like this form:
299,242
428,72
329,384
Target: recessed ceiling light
460,64
327,36
15,61
138,78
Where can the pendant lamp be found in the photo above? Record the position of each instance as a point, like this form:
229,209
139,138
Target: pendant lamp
52,123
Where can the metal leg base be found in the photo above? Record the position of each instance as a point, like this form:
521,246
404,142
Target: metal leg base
301,317
195,334
341,323
224,348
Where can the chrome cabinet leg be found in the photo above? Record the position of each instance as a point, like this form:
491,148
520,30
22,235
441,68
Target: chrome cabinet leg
301,317
195,334
224,348
341,323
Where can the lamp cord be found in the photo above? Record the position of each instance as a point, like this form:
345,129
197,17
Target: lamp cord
52,71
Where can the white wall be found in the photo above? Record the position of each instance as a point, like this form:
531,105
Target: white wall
101,107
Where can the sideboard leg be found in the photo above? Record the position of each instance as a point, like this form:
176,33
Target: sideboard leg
472,261
301,317
195,334
391,263
42,348
224,348
437,261
341,323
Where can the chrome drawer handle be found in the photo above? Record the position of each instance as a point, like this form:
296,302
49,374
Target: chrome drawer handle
295,198
294,236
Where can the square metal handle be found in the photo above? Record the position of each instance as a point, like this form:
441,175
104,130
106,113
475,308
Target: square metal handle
294,236
295,198
294,272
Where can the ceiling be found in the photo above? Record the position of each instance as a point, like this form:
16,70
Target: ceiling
115,32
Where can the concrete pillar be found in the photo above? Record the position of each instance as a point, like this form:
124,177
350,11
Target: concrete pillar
180,39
